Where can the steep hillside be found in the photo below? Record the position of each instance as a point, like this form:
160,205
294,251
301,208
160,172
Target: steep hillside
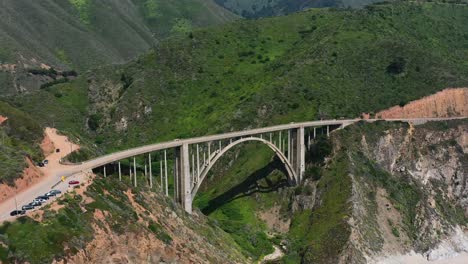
409,189
110,222
265,8
311,65
80,34
382,190
20,137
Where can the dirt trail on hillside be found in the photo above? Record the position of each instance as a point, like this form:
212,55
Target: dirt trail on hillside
3,119
452,102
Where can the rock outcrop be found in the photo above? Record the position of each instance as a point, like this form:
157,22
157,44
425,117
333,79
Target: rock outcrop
410,190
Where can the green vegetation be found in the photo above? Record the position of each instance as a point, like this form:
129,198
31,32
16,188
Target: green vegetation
164,17
83,34
234,199
32,241
20,136
311,65
35,242
319,235
83,7
218,79
265,8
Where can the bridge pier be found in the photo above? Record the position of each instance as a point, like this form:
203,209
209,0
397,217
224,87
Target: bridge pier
134,172
120,172
183,174
300,154
150,171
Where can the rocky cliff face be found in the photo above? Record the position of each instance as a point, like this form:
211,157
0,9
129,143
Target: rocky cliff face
410,189
178,241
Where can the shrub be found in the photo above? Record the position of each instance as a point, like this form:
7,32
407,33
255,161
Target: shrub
397,66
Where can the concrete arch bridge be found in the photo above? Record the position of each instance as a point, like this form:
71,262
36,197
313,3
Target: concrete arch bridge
193,158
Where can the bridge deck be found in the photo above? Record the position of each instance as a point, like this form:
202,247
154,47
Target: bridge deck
100,161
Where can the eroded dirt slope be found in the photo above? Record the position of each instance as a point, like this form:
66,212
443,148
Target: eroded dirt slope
447,103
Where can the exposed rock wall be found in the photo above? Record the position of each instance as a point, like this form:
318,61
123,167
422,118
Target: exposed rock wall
446,103
429,163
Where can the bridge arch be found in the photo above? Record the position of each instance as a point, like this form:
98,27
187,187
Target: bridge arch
219,153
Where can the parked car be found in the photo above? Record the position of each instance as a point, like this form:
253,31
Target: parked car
35,203
46,162
40,164
49,194
73,182
17,212
27,207
43,197
55,192
57,150
37,200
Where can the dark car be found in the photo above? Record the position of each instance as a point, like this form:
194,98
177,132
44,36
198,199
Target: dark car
43,197
50,194
17,212
35,203
27,207
40,164
55,192
73,182
57,150
46,162
39,200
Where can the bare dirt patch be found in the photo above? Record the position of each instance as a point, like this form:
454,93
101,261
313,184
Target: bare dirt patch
390,222
451,102
274,221
3,119
47,146
139,209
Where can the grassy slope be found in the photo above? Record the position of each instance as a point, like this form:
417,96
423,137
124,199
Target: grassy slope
316,64
19,137
81,34
263,8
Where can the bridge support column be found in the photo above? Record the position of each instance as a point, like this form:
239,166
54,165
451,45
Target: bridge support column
300,156
120,172
184,177
134,172
150,171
